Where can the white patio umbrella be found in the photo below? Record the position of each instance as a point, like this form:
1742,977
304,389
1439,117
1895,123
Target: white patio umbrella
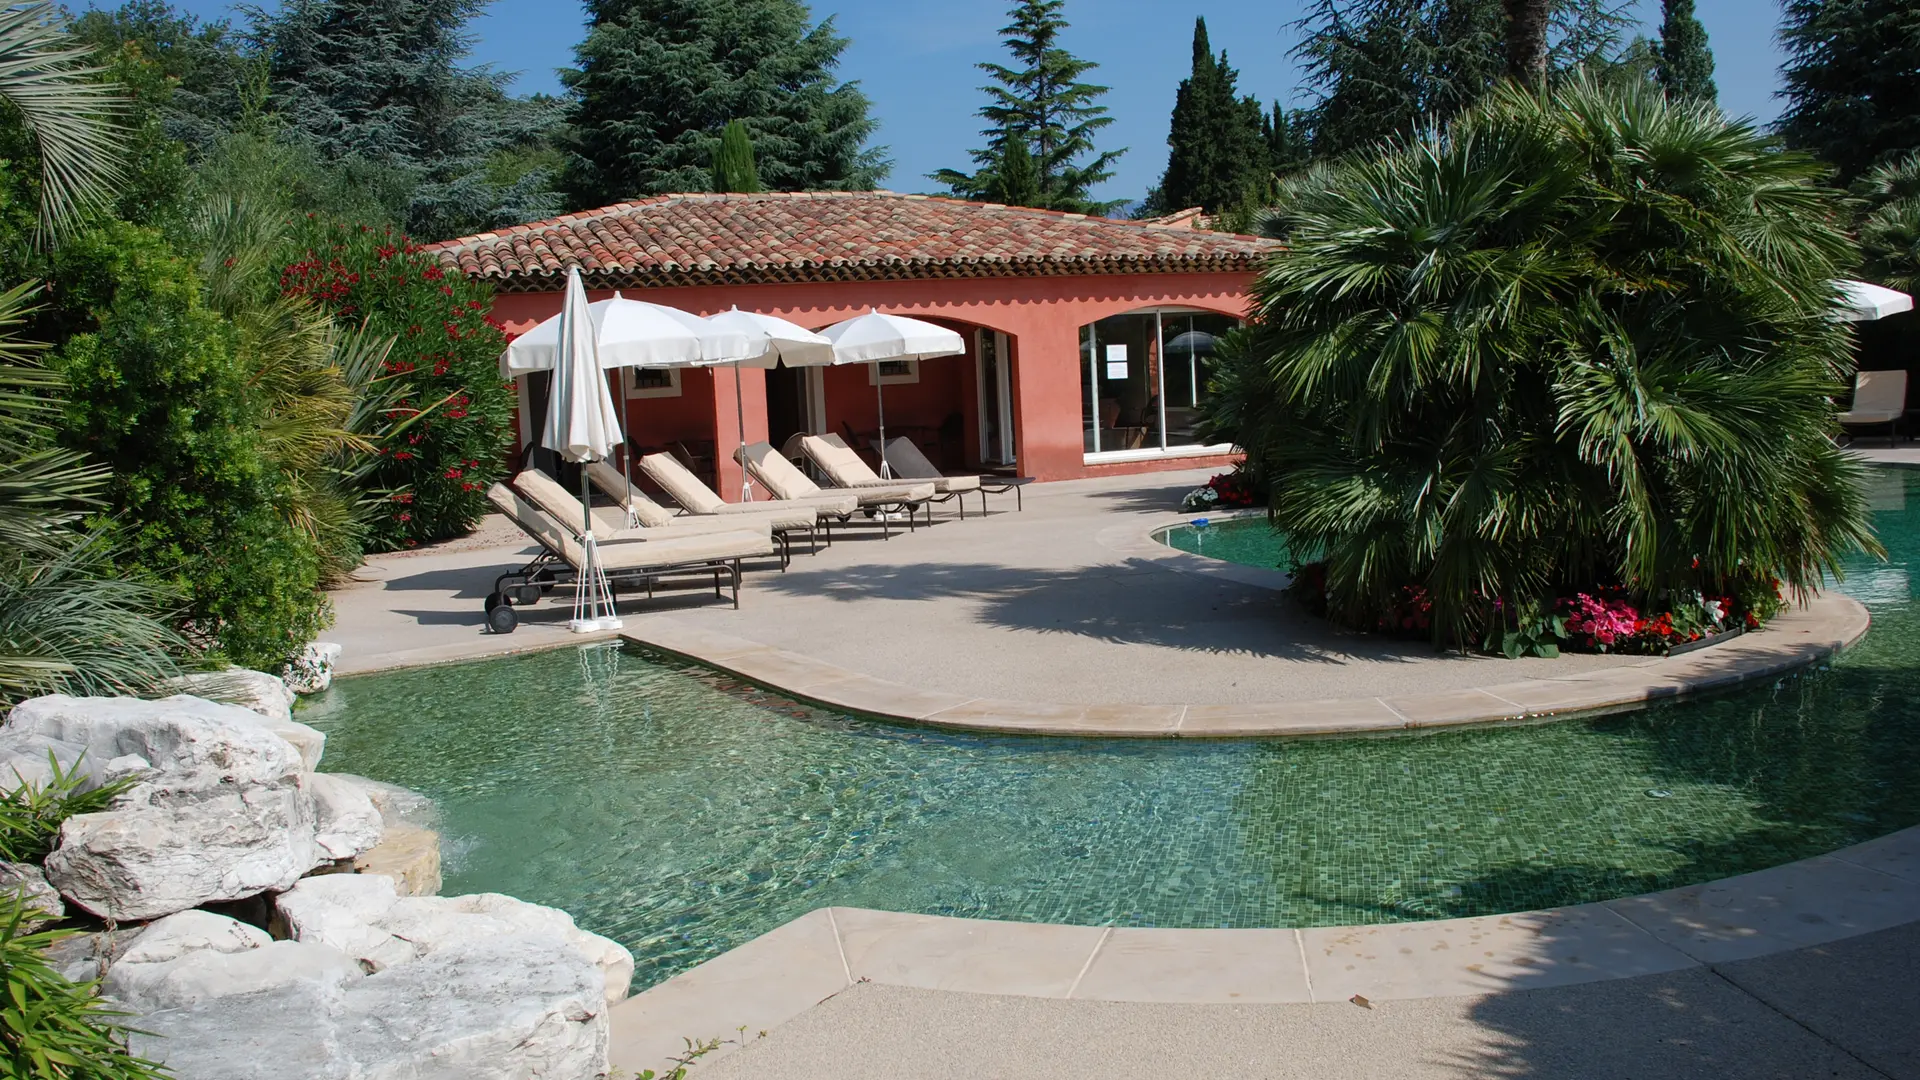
877,338
582,426
780,342
1863,301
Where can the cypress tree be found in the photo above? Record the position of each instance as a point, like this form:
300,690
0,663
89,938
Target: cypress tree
733,168
1853,76
1218,151
658,79
379,82
1045,103
1686,63
1288,140
1015,181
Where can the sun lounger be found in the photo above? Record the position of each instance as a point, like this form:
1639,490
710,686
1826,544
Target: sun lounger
1879,397
625,562
786,521
908,463
697,498
831,455
611,524
778,475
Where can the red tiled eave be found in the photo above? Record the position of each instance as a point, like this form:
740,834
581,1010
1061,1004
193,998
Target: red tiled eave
831,236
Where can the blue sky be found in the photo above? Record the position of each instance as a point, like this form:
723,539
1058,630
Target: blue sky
914,59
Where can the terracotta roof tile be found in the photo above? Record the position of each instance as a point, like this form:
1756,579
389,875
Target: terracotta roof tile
831,236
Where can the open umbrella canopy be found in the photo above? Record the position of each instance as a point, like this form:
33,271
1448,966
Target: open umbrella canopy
1863,301
631,333
582,424
780,341
877,337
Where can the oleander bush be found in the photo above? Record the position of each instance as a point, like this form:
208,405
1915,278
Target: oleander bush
456,409
1577,343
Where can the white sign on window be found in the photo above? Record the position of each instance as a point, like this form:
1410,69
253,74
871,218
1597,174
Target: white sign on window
1116,361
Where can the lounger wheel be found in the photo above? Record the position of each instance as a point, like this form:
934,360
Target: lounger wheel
501,618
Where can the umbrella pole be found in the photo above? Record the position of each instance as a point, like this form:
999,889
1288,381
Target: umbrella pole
740,416
592,570
880,395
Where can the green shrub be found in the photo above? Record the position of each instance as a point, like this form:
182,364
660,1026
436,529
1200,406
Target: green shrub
53,1029
159,395
435,474
30,814
1577,340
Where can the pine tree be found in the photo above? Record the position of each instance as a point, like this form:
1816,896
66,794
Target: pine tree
1686,63
1853,76
379,82
733,167
1045,103
1384,68
1218,152
658,79
1526,36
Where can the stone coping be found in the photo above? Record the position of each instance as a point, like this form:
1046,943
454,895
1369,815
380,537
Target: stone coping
781,974
1796,638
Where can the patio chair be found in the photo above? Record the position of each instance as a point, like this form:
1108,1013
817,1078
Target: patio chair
697,498
849,470
779,476
625,563
785,521
1879,397
908,463
611,524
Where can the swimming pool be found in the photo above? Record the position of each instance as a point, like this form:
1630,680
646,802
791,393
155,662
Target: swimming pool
683,813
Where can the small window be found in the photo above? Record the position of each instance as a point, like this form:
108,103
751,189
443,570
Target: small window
893,372
653,382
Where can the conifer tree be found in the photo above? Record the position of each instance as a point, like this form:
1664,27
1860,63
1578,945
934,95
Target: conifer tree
1853,76
1218,152
380,82
1015,181
658,79
1288,139
733,167
1686,63
1045,103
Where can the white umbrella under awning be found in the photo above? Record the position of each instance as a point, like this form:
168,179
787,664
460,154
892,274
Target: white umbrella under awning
582,425
626,333
779,342
1863,301
878,338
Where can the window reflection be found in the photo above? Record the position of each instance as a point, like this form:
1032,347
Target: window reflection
1143,378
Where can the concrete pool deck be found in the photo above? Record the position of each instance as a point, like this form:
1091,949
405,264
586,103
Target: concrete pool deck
1067,618
1737,977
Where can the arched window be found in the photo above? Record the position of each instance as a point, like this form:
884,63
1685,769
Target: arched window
1143,380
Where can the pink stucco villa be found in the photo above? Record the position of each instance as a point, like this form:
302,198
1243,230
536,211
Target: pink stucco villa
1088,339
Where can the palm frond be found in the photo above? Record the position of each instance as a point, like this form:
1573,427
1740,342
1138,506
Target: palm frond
45,74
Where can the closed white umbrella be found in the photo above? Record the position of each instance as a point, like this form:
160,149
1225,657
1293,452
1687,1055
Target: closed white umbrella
582,426
1863,301
876,338
779,341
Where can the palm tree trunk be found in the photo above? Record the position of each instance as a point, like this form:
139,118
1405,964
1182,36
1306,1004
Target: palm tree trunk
1527,39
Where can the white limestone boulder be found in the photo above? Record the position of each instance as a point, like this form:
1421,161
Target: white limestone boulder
526,1008
363,916
40,902
346,823
397,805
197,956
29,760
312,671
221,810
253,690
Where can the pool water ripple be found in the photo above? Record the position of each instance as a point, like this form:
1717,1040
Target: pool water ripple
682,812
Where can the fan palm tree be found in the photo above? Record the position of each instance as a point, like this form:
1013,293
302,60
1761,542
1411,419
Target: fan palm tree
46,76
1580,338
1890,232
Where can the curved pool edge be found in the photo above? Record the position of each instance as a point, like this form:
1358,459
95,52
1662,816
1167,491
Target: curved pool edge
1797,638
775,977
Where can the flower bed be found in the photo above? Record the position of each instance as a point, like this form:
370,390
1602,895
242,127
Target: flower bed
1601,619
1225,490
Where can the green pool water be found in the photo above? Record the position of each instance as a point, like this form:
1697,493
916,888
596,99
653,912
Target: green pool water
683,813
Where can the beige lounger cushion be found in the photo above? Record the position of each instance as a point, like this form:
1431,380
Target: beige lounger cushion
1879,397
697,498
908,463
778,475
838,460
627,554
609,523
652,515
